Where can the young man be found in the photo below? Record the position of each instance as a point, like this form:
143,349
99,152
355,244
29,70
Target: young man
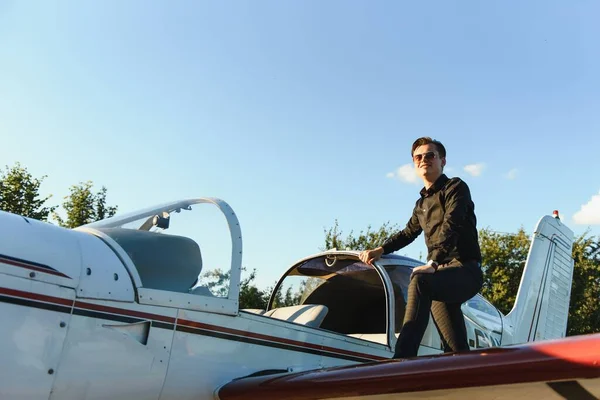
452,275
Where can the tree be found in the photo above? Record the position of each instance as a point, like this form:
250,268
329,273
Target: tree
83,207
504,256
19,193
364,241
584,308
250,296
216,281
286,297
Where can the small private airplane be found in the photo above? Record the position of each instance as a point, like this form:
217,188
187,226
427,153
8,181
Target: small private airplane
115,310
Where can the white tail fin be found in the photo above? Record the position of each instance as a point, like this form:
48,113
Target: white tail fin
541,308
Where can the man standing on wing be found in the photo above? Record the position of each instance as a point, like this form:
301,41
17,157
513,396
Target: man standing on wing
452,275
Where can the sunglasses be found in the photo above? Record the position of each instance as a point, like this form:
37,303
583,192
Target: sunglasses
430,155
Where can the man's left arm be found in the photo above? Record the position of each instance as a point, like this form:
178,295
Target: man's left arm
456,204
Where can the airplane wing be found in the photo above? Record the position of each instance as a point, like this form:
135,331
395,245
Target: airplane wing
567,368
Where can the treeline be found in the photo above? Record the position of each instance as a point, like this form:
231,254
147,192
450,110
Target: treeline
20,194
504,254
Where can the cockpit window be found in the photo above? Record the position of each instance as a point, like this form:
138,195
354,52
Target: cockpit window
352,291
479,309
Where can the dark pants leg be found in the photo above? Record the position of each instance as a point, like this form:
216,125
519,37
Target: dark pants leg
450,286
450,322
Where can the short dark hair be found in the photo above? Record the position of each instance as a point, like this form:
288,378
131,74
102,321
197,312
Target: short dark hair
427,140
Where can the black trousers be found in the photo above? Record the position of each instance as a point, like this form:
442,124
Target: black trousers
442,294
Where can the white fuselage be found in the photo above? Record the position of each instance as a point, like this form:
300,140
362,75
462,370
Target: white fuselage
73,328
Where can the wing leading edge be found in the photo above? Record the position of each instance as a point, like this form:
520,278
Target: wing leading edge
555,369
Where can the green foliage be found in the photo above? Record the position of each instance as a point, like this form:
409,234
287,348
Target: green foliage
364,241
584,308
19,193
217,281
285,297
504,256
251,296
82,206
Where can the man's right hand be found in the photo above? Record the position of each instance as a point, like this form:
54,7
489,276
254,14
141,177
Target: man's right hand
368,256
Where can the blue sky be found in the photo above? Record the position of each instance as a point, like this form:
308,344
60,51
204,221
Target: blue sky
300,113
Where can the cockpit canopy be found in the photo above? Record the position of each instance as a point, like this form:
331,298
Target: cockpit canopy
353,292
163,244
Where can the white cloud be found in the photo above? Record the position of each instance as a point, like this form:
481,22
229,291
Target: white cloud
406,173
589,213
474,169
512,174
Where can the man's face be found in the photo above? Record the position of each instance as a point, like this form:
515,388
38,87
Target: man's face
428,162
